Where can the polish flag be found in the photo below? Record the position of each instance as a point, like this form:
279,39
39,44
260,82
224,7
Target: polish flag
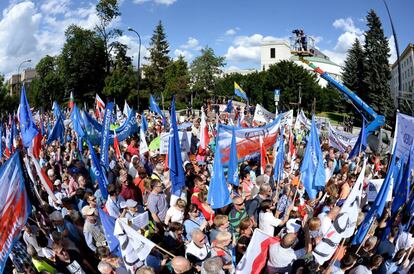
116,146
262,156
37,145
204,137
44,180
254,260
99,102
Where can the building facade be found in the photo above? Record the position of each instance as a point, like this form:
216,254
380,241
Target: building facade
407,76
274,52
17,80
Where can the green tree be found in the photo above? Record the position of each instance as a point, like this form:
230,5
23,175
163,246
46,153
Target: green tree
204,72
158,61
48,84
82,63
121,83
377,70
107,11
177,80
353,71
8,104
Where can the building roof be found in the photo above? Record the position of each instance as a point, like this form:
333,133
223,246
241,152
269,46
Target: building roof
315,59
409,48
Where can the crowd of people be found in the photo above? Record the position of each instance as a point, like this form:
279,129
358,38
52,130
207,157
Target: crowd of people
66,235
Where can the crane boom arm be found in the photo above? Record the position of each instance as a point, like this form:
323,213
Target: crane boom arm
377,120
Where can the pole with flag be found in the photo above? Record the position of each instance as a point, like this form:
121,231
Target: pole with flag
71,101
233,174
361,143
240,92
280,158
28,128
262,155
143,146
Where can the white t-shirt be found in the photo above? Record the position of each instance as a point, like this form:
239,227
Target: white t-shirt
268,222
404,241
326,223
175,215
280,257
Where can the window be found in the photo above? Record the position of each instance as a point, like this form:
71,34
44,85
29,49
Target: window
272,53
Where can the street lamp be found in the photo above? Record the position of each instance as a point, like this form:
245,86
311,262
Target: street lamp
18,71
139,68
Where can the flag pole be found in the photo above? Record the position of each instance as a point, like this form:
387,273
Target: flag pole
165,251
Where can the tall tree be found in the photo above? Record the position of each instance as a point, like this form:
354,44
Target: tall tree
177,80
353,71
158,61
121,83
107,11
47,86
204,72
82,63
377,72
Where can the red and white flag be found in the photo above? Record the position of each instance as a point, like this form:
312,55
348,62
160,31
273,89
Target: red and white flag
44,180
292,150
204,137
116,146
71,101
262,156
99,107
255,257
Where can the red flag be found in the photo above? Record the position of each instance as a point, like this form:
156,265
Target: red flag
292,150
204,137
262,156
37,145
116,146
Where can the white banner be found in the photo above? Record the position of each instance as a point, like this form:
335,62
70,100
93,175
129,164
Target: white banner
404,134
341,140
262,115
374,187
185,141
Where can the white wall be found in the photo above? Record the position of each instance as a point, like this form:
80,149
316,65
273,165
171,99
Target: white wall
282,52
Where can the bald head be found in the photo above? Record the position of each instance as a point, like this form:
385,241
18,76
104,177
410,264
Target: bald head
288,240
180,264
105,268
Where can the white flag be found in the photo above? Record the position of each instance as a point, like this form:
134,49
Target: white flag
126,109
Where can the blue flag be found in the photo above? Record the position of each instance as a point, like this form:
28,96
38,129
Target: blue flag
108,225
398,171
77,122
229,107
403,189
175,162
233,173
361,143
144,123
280,158
58,132
312,168
42,127
28,128
56,110
106,128
154,107
97,171
218,193
1,142
378,207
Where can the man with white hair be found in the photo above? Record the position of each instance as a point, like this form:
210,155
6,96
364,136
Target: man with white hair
106,268
92,230
212,266
198,249
180,265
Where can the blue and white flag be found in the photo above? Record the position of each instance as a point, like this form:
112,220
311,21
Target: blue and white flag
108,224
280,158
218,193
28,129
154,107
312,168
58,132
105,134
233,172
402,192
77,122
97,171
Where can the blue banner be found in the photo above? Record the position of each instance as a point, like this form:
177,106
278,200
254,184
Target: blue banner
98,172
105,134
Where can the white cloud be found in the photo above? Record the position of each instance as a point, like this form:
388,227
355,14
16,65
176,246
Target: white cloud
191,43
345,40
160,2
232,32
185,53
55,6
247,48
133,47
393,52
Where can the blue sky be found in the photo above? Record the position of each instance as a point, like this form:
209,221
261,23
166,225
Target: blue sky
234,29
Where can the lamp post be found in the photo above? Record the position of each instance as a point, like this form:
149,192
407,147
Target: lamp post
139,67
18,72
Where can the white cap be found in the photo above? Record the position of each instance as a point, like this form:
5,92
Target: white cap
131,203
292,226
88,211
57,182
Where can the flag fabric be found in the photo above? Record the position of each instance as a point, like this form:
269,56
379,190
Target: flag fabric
262,155
105,134
239,92
15,207
398,171
280,158
97,171
218,193
135,248
28,128
71,101
58,131
345,223
378,207
403,189
37,146
175,162
108,225
56,110
204,137
254,260
99,102
77,122
127,109
292,149
46,183
229,107
233,172
116,146
155,108
143,146
1,140
361,143
312,168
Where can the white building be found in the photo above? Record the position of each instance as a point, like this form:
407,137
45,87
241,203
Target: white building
276,51
407,76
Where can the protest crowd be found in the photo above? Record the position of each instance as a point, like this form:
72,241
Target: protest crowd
110,191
